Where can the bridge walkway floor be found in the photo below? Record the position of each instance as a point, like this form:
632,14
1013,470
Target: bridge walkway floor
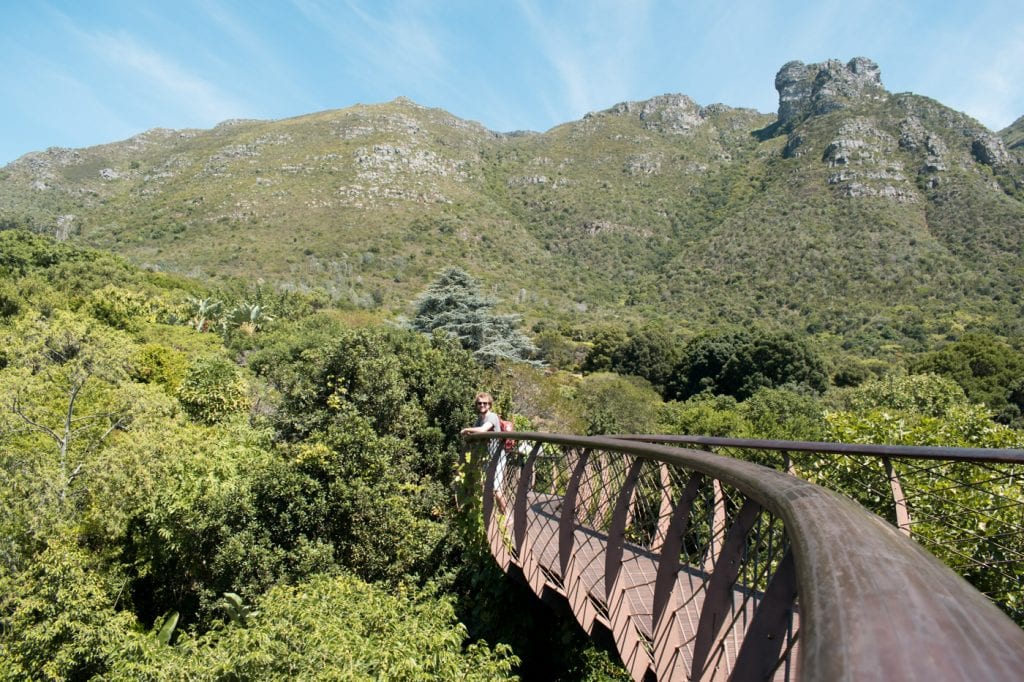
632,596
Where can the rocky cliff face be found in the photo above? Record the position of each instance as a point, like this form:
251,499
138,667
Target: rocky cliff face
813,89
884,146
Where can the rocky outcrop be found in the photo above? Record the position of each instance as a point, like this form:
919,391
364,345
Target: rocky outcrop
673,114
815,89
915,138
990,150
644,164
861,156
676,114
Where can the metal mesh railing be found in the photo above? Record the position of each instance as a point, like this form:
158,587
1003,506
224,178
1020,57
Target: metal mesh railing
964,505
704,567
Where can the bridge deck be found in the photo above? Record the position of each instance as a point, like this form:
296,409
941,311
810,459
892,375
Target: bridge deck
711,567
635,589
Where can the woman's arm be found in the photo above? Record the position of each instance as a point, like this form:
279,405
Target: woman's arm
483,428
489,425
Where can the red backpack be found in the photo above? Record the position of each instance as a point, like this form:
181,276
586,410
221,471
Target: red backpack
507,425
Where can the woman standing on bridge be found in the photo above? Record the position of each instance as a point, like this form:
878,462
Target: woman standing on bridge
486,420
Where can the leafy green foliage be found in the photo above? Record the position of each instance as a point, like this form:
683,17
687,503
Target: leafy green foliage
10,300
59,616
558,351
651,353
120,308
327,627
213,389
605,343
741,362
956,506
158,364
703,415
239,613
988,370
116,514
164,627
784,414
613,404
398,381
375,415
928,395
919,409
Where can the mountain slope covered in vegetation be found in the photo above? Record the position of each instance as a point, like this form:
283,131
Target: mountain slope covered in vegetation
884,219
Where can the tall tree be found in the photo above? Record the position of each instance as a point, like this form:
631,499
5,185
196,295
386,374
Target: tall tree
454,305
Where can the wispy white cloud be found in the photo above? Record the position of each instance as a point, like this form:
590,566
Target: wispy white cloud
137,72
592,52
162,77
384,45
258,60
53,98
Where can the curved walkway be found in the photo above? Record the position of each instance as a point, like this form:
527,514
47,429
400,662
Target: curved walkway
708,567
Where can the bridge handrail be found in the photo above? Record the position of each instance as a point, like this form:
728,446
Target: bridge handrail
1004,455
965,505
873,604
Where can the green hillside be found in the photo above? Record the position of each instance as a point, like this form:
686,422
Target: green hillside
1014,134
884,219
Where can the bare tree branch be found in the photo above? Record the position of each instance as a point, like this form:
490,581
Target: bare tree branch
16,409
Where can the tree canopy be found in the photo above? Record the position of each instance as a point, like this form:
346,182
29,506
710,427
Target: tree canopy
454,305
738,363
988,370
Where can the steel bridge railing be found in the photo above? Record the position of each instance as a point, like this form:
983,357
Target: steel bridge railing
710,567
964,505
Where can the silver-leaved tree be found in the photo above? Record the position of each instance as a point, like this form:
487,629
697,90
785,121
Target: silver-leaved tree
454,304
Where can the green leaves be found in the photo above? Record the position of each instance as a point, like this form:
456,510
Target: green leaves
988,370
212,390
237,611
115,512
329,627
58,615
738,363
164,627
612,404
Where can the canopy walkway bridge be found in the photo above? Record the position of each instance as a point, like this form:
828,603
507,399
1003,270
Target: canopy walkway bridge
706,567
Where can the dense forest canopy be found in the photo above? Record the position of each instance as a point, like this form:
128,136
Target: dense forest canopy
244,482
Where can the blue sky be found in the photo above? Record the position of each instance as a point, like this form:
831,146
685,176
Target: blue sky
81,72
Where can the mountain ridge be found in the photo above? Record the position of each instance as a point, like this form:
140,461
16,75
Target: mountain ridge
831,218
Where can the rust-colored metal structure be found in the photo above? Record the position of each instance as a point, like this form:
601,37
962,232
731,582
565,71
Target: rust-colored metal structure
710,567
964,505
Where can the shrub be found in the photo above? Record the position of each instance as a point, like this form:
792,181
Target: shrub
156,364
330,627
213,389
